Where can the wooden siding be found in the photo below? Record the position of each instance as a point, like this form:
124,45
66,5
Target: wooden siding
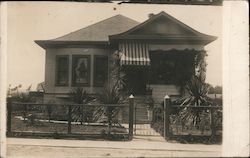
159,92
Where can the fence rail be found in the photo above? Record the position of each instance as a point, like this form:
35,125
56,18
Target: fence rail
57,104
193,106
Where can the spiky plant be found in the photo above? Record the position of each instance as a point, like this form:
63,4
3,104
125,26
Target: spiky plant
81,113
112,94
197,96
197,91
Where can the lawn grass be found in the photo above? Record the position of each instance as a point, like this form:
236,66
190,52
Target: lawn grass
19,125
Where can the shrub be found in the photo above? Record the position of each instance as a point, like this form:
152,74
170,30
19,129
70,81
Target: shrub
197,117
112,94
81,113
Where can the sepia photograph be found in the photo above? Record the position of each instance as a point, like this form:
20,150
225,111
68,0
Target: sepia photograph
114,79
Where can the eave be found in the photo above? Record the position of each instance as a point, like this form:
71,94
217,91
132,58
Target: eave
70,44
164,39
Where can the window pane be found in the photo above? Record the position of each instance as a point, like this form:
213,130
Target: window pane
62,70
101,70
81,71
63,79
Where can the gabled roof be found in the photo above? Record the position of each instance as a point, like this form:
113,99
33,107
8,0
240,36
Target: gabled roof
120,27
98,32
171,30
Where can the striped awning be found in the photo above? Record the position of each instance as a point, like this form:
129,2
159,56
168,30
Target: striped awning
134,53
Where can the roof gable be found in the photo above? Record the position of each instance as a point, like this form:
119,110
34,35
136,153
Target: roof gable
163,26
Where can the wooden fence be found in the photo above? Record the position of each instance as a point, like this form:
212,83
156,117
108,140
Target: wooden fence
56,120
163,117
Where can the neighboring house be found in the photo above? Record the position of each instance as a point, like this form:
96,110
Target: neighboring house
153,54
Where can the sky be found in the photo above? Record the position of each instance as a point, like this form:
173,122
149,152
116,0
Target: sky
29,21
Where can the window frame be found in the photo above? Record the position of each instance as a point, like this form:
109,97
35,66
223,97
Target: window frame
57,70
88,70
95,68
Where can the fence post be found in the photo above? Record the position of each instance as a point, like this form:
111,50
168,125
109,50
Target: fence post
69,119
9,111
213,130
131,116
166,117
135,118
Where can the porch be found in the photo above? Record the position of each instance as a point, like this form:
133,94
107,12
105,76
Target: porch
157,70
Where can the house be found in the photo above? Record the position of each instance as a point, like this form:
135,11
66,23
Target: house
157,55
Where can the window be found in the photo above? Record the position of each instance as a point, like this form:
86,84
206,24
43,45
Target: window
162,68
81,70
62,70
171,67
101,70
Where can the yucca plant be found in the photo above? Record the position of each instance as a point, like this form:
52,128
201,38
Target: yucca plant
108,96
112,94
197,91
81,113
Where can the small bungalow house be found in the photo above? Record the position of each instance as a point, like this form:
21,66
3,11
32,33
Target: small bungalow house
157,55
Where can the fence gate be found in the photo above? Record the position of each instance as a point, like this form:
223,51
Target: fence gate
142,121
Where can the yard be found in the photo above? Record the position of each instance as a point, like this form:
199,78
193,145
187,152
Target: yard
38,124
20,125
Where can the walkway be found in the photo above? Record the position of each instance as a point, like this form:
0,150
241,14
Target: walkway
145,129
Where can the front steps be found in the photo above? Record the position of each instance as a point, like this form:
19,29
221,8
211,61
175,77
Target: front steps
140,111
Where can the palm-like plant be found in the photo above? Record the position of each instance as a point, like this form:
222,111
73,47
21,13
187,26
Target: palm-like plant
80,113
112,94
197,93
197,96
